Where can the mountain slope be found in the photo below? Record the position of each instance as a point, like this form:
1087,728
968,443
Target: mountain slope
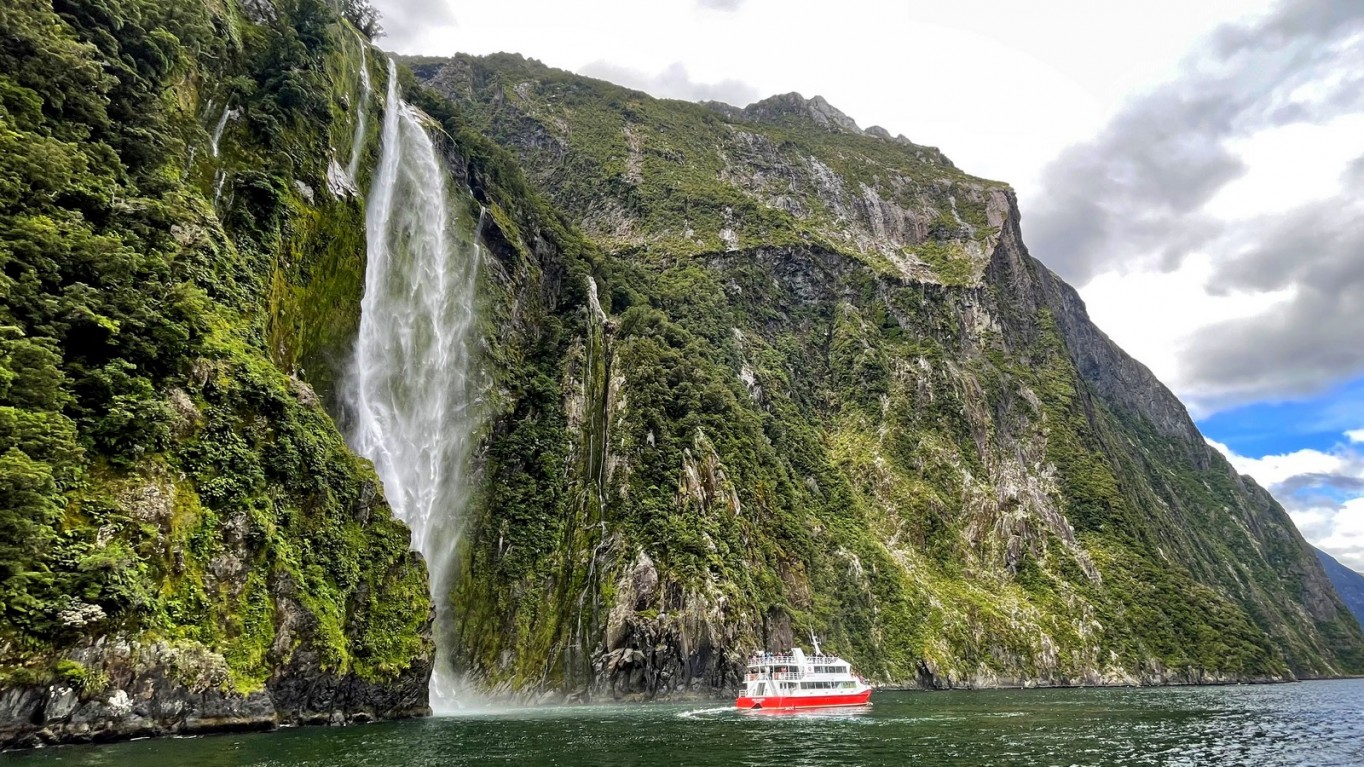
822,386
1348,584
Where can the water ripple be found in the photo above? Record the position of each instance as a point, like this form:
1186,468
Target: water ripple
1316,724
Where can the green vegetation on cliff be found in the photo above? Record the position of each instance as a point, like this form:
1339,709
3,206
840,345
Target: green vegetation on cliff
163,476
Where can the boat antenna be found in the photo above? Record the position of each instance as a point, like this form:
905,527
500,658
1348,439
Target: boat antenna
814,640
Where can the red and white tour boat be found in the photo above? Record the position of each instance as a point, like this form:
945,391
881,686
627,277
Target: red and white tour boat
801,681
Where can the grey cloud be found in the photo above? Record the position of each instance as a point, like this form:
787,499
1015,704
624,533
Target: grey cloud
673,83
721,5
1312,487
1312,341
1353,176
1133,198
404,21
1138,187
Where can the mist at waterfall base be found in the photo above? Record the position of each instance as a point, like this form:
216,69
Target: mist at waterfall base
411,391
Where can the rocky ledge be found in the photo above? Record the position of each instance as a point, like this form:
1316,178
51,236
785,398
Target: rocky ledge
117,690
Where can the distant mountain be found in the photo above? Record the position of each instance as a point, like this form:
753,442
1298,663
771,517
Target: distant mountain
1349,584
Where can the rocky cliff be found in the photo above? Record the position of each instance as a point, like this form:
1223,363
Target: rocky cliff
819,385
186,543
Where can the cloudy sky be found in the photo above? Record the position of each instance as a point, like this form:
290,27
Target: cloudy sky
1196,169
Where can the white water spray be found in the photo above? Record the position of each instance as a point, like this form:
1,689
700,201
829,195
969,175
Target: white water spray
411,389
357,142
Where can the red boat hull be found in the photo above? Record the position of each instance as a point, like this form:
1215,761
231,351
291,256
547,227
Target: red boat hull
803,701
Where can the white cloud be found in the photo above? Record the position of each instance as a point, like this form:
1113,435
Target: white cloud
1342,532
674,82
1170,318
1248,160
1287,166
1273,470
1355,435
1323,492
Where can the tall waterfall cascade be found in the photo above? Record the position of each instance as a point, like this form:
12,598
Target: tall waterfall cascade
412,388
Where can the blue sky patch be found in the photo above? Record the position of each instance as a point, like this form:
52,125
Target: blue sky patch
1275,428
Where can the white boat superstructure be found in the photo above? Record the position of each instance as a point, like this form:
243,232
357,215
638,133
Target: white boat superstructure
797,680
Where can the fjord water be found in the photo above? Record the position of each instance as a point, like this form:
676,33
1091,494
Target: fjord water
410,391
1309,723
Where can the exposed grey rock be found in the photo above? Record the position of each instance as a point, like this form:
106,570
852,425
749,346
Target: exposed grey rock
259,11
304,391
728,110
185,688
61,703
816,109
78,614
339,182
185,414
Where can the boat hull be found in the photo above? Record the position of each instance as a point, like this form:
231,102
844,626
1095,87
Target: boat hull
803,701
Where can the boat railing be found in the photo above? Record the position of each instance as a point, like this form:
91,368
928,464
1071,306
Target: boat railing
810,660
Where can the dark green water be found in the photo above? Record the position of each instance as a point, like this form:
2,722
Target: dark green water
1314,723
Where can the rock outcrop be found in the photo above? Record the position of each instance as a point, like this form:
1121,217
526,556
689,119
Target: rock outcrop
117,689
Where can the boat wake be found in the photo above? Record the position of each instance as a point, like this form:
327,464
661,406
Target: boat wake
704,712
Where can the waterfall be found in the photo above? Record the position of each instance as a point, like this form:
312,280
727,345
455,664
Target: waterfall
228,114
357,142
411,388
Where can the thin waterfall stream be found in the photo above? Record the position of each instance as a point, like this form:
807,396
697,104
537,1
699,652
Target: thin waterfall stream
357,143
411,390
228,114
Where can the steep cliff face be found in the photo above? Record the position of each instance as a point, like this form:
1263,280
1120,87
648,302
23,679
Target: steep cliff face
818,384
187,542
